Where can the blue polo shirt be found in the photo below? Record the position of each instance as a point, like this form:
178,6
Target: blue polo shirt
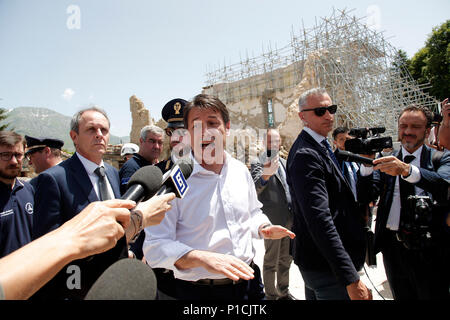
16,216
129,168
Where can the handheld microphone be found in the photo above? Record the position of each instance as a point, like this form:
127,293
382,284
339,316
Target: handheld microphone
126,279
351,157
175,179
143,184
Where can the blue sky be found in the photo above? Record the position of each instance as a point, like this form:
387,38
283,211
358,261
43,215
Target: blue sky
160,50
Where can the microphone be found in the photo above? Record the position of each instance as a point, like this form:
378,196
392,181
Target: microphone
126,279
143,184
175,179
351,157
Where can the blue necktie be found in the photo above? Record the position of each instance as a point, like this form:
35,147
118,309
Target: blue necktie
330,152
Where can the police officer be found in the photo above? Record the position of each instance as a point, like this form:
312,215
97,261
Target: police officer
172,113
16,196
43,153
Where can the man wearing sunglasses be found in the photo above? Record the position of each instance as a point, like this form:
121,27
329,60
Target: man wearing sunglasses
330,248
43,153
16,196
179,146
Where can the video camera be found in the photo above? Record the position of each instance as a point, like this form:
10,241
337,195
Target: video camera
415,225
361,144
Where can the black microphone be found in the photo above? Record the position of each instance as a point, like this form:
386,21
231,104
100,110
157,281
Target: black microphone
126,279
351,157
143,184
175,179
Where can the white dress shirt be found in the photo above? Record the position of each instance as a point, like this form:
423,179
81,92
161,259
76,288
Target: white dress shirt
220,213
90,167
394,214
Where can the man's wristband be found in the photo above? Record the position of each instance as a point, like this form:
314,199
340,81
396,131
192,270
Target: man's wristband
136,218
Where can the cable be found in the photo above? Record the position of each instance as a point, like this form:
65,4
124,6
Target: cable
373,284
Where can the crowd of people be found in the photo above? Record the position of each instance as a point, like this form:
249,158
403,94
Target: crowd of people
63,229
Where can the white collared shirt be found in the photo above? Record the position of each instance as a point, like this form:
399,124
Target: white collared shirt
90,167
318,137
394,214
220,213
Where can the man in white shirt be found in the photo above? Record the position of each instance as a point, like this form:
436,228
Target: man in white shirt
416,263
206,239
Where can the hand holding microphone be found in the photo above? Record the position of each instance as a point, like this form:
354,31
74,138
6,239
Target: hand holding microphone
144,184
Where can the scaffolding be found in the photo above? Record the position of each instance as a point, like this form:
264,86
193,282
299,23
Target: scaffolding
342,54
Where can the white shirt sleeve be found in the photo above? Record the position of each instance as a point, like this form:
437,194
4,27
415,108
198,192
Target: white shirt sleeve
365,171
414,177
161,250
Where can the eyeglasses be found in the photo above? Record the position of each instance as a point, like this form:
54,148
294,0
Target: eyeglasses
7,156
321,110
29,153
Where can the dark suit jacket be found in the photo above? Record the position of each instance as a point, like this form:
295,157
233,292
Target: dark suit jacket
327,220
61,193
434,180
272,195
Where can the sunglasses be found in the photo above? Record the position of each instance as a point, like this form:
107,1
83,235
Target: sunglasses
30,152
180,131
321,110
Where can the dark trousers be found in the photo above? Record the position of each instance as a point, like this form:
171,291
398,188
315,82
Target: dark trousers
251,290
277,262
323,285
416,274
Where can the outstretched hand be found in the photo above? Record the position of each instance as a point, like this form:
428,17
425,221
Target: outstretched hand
276,232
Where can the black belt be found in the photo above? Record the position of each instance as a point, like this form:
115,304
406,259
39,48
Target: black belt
216,282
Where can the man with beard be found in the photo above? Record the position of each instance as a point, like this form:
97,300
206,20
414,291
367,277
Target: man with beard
16,196
416,263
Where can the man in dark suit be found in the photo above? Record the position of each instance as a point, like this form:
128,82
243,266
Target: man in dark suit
416,262
269,175
64,190
329,248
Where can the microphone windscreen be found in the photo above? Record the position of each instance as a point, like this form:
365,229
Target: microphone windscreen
149,177
186,167
126,279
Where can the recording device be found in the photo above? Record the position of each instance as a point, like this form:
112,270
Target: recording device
351,157
362,144
437,118
175,179
268,155
415,224
143,184
126,279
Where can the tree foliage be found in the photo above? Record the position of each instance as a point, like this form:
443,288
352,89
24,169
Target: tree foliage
3,116
431,64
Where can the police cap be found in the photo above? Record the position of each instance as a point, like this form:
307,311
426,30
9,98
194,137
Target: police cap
172,113
39,143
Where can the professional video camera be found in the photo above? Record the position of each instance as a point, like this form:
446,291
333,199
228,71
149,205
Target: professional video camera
415,225
361,144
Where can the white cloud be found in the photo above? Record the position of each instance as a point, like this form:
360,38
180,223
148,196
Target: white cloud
68,94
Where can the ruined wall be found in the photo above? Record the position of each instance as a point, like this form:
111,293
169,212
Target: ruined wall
140,118
248,112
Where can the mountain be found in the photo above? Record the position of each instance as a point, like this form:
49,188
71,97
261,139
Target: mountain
42,122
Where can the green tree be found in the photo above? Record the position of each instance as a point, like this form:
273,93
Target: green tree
3,116
431,64
401,63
